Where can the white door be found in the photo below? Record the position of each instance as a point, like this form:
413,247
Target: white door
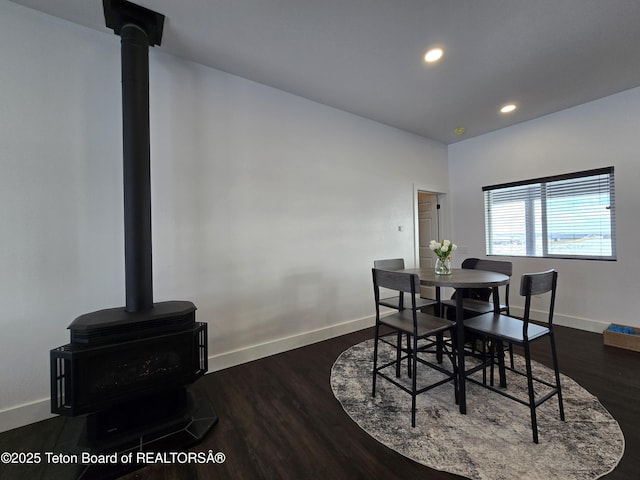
427,231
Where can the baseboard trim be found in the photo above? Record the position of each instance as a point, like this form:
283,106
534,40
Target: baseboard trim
261,350
22,415
39,410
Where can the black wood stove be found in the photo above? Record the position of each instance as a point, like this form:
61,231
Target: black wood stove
126,371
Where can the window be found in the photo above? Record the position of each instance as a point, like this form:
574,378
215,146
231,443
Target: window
565,216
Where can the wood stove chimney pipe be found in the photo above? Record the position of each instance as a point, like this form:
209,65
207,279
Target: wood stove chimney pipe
138,28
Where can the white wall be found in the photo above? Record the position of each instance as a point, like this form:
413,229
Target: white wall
268,209
591,294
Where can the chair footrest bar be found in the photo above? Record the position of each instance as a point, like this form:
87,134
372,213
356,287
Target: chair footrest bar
546,397
418,391
502,392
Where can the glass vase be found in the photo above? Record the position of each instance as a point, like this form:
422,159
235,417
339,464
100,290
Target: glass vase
443,266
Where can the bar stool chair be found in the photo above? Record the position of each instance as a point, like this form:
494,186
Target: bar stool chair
499,328
418,326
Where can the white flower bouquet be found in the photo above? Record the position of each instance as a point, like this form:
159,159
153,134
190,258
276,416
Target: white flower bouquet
442,250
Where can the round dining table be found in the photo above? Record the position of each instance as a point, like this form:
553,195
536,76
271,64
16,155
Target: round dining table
461,278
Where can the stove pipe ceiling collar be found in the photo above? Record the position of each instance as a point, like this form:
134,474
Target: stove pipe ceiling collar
118,13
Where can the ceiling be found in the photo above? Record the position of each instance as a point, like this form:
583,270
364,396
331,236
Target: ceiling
366,56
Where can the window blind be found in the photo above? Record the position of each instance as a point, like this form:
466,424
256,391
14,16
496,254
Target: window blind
566,216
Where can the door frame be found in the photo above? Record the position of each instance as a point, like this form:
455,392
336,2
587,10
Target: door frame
444,224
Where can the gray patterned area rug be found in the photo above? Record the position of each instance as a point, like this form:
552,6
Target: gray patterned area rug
493,440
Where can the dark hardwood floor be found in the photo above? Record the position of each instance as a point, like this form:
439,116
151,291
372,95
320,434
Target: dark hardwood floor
280,420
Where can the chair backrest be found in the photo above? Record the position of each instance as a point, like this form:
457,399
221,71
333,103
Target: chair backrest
389,264
498,266
400,281
538,284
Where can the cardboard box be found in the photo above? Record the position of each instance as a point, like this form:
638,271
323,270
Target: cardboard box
627,341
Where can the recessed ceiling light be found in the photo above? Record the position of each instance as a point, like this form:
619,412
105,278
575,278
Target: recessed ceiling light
508,108
433,55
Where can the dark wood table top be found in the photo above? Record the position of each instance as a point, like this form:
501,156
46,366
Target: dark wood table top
459,278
